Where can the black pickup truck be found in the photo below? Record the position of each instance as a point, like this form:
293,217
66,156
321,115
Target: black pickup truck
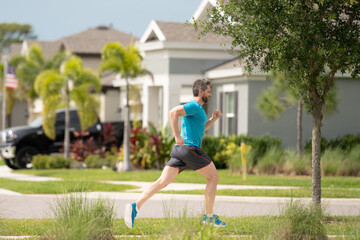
19,144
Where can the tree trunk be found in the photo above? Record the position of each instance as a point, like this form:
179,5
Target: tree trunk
31,115
316,154
127,162
299,127
8,120
67,123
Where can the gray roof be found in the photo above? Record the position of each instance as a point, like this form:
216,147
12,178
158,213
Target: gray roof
174,31
93,40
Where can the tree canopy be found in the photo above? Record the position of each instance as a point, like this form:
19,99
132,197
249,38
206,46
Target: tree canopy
310,40
14,33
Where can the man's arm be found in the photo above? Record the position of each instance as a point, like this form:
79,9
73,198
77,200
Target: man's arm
216,115
174,115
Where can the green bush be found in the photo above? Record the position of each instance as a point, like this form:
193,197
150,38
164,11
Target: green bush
50,162
217,148
96,161
76,217
272,161
345,143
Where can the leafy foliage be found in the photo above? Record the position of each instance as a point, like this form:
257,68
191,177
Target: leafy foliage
50,162
51,85
150,148
14,33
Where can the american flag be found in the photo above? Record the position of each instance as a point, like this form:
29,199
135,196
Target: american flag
11,80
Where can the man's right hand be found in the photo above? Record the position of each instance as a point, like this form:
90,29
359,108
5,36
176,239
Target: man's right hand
179,140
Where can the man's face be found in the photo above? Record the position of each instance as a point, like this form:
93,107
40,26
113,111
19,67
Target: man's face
206,95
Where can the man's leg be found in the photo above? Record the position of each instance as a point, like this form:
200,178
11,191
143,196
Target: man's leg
167,176
210,173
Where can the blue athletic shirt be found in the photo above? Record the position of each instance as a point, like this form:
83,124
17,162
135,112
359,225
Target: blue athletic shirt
193,124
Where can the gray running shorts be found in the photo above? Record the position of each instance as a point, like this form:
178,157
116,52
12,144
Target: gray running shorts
188,156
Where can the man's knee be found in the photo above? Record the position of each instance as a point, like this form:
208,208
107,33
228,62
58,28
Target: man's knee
213,177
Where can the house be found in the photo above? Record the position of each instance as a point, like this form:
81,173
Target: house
88,46
176,58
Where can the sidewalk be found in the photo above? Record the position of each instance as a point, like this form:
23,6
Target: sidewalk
8,173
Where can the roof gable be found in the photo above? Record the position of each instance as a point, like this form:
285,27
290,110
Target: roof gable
177,32
201,10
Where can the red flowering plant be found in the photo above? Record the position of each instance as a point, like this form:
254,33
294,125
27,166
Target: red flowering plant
150,148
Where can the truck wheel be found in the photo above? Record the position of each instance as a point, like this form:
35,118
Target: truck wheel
10,163
24,156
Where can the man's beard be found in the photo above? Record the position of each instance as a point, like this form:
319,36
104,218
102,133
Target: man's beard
205,99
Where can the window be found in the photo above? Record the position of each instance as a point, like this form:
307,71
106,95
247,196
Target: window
228,104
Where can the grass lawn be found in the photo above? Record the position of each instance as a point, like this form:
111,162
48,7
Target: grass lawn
155,228
75,180
193,177
66,186
294,193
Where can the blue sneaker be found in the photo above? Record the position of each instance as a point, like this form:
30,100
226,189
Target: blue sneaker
213,220
130,214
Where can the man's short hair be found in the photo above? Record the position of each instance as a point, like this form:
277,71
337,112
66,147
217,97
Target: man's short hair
200,84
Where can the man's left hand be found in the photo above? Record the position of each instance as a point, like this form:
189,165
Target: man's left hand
217,114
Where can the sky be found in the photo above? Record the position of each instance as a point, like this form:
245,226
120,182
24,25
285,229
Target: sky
53,19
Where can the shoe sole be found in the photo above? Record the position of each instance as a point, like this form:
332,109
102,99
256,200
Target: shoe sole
127,216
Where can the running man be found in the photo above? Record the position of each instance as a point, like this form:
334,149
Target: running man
187,152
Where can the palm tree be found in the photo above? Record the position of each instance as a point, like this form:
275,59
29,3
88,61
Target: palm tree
125,61
27,68
70,82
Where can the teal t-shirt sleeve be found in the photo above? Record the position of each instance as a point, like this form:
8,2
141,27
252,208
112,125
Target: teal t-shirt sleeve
190,108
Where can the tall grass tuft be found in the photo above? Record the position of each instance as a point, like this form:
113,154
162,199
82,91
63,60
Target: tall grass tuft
301,221
297,164
351,167
76,217
272,161
332,160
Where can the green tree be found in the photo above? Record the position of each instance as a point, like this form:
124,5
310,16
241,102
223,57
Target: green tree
28,67
279,97
125,61
311,40
14,33
70,82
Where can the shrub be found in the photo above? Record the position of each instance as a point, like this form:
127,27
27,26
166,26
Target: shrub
76,217
50,162
149,147
96,161
300,221
272,161
345,143
217,147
